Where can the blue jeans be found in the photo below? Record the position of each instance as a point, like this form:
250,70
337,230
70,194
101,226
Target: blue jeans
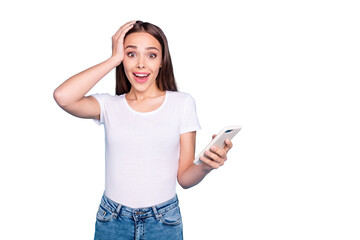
115,221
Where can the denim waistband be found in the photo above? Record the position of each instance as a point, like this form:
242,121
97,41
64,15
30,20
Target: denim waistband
155,210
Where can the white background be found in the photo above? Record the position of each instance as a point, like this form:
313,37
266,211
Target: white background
287,71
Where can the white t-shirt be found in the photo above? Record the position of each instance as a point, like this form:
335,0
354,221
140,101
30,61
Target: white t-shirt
142,149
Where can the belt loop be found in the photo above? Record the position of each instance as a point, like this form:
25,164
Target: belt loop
117,211
157,215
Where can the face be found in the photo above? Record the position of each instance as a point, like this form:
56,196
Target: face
142,60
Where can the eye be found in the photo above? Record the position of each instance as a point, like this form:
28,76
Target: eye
152,55
131,54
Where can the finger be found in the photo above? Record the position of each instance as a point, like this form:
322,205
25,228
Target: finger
219,151
214,157
228,145
210,163
126,25
117,41
123,33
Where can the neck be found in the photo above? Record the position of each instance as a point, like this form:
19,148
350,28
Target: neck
133,94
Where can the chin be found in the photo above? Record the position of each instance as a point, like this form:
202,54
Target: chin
141,87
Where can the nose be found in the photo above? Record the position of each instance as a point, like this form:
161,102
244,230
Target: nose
140,63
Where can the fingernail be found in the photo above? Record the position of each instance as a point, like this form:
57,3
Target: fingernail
213,148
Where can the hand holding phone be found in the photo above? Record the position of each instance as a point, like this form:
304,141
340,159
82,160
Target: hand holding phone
219,141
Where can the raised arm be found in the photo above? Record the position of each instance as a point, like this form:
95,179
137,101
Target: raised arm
70,95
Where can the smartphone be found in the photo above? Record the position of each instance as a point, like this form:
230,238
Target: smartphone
219,141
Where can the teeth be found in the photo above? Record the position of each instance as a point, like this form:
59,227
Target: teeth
141,75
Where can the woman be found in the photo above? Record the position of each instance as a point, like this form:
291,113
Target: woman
150,131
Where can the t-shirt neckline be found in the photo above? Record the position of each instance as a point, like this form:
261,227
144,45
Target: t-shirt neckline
147,113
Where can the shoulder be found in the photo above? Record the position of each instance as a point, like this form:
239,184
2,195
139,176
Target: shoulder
106,97
180,96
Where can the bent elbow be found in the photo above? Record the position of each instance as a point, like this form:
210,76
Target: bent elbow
57,97
183,183
62,98
184,186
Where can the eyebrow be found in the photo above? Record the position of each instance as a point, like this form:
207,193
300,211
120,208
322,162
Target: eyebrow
148,48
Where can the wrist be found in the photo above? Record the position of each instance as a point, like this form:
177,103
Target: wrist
205,168
115,61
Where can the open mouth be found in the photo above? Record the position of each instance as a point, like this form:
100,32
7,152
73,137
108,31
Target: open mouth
141,77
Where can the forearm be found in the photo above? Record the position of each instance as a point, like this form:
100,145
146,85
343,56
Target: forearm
193,175
74,88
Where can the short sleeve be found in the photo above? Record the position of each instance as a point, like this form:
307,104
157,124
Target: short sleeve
101,98
190,120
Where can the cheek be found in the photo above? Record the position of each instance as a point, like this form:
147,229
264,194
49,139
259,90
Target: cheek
155,72
127,68
126,64
155,66
127,73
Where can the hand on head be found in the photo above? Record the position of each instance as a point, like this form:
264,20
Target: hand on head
118,41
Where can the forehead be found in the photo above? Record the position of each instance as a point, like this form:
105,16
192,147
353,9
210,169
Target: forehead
141,40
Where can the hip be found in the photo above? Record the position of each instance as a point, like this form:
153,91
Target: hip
162,221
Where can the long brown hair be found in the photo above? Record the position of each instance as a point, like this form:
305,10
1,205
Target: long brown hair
165,80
